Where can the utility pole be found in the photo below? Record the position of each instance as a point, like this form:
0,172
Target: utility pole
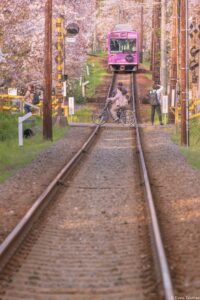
152,40
141,32
184,71
174,62
47,104
156,42
163,68
63,16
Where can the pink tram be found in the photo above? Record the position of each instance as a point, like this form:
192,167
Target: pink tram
123,49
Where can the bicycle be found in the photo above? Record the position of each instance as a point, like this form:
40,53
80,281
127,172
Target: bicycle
126,116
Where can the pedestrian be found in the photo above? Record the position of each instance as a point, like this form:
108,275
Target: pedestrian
28,98
119,101
155,101
121,87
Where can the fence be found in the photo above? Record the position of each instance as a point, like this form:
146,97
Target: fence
14,104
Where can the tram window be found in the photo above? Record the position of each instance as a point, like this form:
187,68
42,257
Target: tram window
122,45
114,46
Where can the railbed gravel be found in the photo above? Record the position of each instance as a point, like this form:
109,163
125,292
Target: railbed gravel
93,242
176,186
19,191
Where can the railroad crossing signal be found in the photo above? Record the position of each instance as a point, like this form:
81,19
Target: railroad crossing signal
59,59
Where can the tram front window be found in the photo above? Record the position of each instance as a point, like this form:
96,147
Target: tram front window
123,45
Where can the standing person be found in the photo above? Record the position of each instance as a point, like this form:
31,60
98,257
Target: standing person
155,101
28,98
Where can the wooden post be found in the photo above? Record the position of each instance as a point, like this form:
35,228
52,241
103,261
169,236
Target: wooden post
156,42
163,67
183,68
141,32
173,71
152,40
47,104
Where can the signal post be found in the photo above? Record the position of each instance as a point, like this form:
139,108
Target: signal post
184,72
174,59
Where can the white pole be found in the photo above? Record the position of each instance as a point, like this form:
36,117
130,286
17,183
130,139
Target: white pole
20,132
83,90
173,98
80,80
83,87
20,127
88,70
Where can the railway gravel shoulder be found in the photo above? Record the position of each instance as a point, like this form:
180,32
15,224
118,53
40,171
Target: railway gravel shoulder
19,192
177,195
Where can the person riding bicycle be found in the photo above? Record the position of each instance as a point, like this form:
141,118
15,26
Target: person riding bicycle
121,87
119,101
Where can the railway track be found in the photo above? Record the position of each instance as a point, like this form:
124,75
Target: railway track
87,236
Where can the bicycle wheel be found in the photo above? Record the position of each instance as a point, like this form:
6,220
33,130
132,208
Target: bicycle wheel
127,118
100,118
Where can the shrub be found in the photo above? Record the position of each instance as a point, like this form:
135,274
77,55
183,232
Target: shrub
8,126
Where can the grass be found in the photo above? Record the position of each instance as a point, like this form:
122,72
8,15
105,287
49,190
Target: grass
97,73
82,115
156,119
95,78
145,65
100,53
192,153
149,76
13,157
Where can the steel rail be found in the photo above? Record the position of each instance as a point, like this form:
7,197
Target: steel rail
112,84
18,234
160,251
7,244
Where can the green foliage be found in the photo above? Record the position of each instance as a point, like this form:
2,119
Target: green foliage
149,76
8,126
101,53
192,153
97,73
13,157
158,33
83,112
145,65
82,115
96,77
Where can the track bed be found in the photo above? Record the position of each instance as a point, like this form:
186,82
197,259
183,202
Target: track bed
93,241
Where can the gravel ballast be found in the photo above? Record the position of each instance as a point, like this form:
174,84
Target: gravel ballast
19,192
177,197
